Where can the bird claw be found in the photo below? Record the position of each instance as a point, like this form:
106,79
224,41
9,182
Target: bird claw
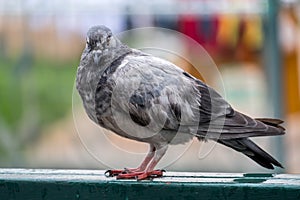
128,174
116,172
141,175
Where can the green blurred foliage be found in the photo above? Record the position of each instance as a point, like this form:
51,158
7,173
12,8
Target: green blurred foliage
42,87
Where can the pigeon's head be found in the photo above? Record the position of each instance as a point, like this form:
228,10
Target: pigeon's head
100,40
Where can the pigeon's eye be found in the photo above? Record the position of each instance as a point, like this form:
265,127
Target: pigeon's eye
90,43
108,40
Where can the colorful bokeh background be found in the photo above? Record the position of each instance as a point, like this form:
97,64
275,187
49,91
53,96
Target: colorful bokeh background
254,44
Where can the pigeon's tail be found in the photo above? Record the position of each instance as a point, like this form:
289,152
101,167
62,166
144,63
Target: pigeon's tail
250,149
272,122
243,126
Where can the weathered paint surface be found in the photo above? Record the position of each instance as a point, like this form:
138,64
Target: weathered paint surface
92,184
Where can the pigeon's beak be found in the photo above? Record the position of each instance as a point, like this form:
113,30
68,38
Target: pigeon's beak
97,55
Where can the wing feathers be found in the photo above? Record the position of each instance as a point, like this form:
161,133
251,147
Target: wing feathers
184,101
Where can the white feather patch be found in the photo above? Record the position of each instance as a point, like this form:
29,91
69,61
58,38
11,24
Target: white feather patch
124,62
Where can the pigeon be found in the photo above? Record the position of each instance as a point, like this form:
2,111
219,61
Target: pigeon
148,99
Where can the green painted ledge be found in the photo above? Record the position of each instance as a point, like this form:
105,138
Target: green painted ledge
92,184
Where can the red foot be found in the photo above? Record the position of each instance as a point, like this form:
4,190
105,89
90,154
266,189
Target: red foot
116,172
128,174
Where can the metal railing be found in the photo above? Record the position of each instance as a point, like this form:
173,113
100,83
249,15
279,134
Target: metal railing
92,184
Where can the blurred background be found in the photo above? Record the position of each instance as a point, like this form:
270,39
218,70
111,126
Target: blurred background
254,43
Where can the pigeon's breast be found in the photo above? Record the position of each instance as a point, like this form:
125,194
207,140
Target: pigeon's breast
86,83
105,90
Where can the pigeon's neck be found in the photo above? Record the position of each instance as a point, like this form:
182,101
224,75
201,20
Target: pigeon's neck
89,73
114,55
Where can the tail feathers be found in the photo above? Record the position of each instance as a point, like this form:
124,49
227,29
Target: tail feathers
250,149
272,122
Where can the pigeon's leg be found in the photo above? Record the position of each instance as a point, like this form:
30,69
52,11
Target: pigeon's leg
141,168
149,171
146,161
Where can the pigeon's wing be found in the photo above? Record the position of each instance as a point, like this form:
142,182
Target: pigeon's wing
154,90
157,94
